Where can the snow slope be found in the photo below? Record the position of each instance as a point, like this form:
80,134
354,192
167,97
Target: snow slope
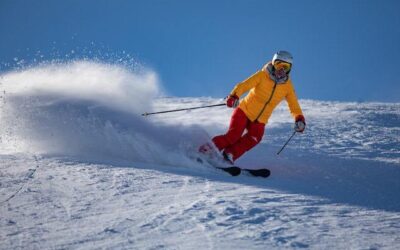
82,169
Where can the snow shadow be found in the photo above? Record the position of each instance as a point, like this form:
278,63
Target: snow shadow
364,183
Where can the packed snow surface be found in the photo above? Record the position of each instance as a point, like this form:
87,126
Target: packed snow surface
80,168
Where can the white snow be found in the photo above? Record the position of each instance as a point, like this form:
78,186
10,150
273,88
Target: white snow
80,168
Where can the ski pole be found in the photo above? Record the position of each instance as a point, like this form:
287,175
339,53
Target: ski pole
286,143
175,110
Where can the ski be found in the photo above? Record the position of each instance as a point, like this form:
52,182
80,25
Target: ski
264,172
254,172
233,170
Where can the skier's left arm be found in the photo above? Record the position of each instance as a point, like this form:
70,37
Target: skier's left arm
295,109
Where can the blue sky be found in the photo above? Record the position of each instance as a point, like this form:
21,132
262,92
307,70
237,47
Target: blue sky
343,50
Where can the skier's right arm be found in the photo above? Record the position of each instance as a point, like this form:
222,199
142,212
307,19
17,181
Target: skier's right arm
247,84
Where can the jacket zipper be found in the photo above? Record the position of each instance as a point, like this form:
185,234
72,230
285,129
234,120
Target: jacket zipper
269,100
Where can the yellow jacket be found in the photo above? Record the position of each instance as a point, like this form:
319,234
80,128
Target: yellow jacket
265,94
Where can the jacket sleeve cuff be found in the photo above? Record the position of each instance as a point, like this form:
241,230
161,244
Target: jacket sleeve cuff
300,118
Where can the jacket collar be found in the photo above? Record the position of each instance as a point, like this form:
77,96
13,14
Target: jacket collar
269,69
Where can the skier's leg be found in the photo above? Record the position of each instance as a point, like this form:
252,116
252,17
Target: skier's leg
255,132
237,126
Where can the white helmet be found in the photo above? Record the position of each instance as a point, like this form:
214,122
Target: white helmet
283,56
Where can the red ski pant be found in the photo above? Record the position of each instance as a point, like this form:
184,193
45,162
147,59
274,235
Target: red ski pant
234,141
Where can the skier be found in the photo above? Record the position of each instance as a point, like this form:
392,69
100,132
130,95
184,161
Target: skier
267,88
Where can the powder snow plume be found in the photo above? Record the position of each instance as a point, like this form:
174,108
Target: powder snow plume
85,109
109,85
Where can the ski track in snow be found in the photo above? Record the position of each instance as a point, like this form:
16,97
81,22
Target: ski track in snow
75,174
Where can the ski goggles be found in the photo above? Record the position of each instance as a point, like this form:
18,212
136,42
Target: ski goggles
282,65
